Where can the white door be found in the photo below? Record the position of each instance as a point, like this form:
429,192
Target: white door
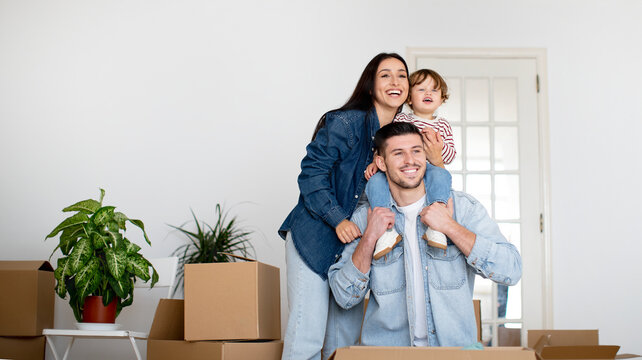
493,109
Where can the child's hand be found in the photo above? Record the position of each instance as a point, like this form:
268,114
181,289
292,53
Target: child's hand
370,170
433,145
347,231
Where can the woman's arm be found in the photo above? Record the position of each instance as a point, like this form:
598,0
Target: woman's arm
332,143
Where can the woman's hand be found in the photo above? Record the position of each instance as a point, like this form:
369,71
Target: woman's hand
370,170
347,231
433,145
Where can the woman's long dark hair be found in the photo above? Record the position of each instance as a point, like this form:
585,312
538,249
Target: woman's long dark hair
361,98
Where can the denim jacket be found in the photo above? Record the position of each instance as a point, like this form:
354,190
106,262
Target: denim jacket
331,182
449,279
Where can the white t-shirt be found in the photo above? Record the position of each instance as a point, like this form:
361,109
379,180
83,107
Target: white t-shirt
411,212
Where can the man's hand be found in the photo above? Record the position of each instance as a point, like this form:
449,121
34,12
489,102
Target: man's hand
433,145
379,220
438,216
347,231
370,170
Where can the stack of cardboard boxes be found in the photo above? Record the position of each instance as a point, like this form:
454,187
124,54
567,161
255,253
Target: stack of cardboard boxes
231,311
26,307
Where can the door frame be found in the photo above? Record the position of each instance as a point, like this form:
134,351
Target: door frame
539,55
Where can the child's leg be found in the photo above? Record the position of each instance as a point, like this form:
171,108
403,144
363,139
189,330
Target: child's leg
438,182
378,193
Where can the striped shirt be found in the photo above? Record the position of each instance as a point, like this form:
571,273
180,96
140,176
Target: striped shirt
440,125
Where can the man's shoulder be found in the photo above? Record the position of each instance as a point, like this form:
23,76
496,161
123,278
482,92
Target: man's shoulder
464,204
462,197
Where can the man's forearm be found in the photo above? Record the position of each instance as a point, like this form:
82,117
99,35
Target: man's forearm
463,238
362,256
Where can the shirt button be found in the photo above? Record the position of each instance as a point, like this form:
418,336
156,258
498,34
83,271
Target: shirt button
373,138
433,332
356,196
372,149
426,268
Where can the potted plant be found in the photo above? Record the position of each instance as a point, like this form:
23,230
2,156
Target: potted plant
100,265
207,244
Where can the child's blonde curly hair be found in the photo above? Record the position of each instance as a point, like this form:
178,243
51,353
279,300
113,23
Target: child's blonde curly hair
420,75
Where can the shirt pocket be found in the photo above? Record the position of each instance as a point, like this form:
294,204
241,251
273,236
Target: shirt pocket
446,269
387,273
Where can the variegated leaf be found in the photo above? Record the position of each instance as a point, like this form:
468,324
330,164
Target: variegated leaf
142,227
73,220
140,266
69,237
99,241
59,274
81,254
130,247
120,286
116,262
103,215
120,219
86,206
88,278
154,277
108,296
115,237
64,267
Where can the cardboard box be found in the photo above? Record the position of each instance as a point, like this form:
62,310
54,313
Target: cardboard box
166,342
22,348
232,301
27,298
569,344
433,353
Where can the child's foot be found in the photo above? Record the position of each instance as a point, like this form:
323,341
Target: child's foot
436,239
386,243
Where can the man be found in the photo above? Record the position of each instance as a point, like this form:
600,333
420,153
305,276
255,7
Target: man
420,295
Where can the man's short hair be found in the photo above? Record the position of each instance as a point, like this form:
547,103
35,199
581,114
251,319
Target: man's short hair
390,130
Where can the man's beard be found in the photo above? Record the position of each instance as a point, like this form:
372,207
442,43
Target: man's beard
398,180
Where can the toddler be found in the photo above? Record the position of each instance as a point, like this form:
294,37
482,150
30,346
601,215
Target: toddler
428,91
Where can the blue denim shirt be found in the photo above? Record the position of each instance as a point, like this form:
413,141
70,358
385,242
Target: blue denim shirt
449,279
331,182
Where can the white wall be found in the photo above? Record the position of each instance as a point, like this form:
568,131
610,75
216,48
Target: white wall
176,104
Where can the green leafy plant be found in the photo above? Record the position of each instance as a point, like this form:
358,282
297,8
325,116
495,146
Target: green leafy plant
99,260
209,244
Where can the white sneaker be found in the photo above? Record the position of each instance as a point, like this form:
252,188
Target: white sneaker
436,239
386,242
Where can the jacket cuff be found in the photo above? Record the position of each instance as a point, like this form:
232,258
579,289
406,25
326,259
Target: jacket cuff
479,254
335,216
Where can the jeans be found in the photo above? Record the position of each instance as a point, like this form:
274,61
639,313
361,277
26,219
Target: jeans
308,297
311,307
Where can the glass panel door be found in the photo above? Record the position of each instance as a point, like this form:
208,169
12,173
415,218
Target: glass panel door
493,111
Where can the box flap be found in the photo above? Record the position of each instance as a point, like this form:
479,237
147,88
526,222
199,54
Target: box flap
579,352
433,353
168,321
563,337
26,265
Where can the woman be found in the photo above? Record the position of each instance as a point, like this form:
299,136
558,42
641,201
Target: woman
331,184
